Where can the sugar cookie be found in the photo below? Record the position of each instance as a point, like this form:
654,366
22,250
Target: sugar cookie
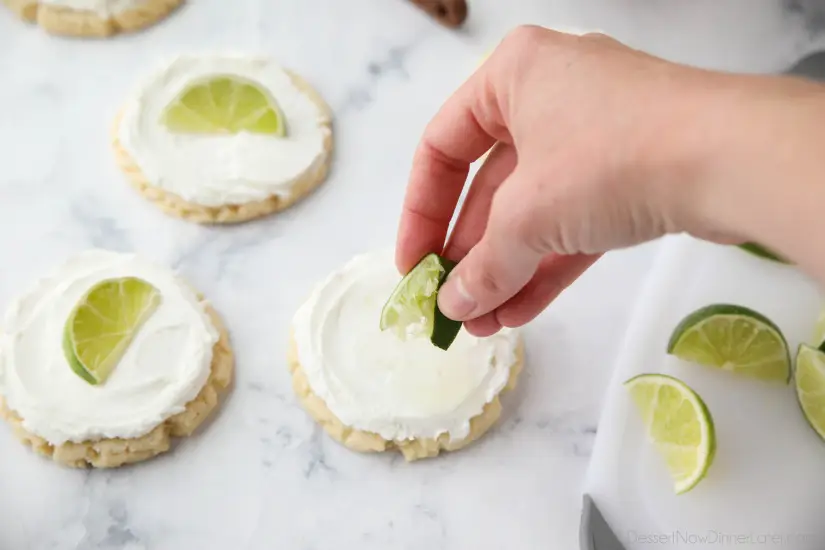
165,384
224,139
372,391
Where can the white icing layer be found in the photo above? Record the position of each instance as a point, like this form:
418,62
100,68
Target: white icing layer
375,382
165,366
223,169
103,8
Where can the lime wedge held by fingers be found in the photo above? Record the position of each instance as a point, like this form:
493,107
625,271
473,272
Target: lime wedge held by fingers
412,309
810,386
103,323
224,105
733,338
679,424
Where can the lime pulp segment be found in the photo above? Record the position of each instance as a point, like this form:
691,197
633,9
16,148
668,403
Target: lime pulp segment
679,424
412,309
103,323
224,104
733,338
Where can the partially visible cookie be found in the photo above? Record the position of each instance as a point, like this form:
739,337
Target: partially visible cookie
220,171
168,382
100,19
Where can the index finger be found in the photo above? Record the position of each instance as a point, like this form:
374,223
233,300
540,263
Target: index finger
465,127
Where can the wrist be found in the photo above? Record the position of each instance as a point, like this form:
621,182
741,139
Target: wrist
757,166
745,150
684,157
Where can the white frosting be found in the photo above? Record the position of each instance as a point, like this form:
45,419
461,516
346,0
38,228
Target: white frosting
222,169
165,366
373,381
103,8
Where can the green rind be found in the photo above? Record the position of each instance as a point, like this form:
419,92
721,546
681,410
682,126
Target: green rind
71,357
819,433
445,329
711,310
762,252
711,451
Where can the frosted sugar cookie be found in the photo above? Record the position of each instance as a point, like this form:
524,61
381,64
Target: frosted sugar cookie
108,357
223,139
93,18
374,392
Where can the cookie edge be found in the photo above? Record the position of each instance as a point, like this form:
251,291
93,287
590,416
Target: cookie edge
369,442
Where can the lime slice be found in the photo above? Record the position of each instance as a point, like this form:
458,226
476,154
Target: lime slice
412,309
224,104
679,424
762,252
810,386
733,338
102,324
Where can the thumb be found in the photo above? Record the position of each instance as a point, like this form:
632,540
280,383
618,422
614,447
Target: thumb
500,264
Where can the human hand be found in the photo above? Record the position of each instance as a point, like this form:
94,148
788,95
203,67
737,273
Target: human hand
579,126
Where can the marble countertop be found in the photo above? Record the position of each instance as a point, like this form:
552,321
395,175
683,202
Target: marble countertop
262,475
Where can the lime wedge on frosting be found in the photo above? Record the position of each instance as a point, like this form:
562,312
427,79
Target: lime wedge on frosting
224,104
103,323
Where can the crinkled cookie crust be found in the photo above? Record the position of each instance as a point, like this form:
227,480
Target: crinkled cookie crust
231,213
111,453
366,442
65,21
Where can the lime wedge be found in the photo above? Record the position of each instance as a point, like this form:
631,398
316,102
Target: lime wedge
679,424
762,252
810,386
224,104
733,338
412,309
102,324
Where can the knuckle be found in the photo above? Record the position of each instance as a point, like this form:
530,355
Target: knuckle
532,222
489,280
595,36
523,36
596,41
534,237
522,217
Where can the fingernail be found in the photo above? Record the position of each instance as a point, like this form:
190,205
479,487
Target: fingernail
454,301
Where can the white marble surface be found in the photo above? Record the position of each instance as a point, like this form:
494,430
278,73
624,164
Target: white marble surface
262,475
